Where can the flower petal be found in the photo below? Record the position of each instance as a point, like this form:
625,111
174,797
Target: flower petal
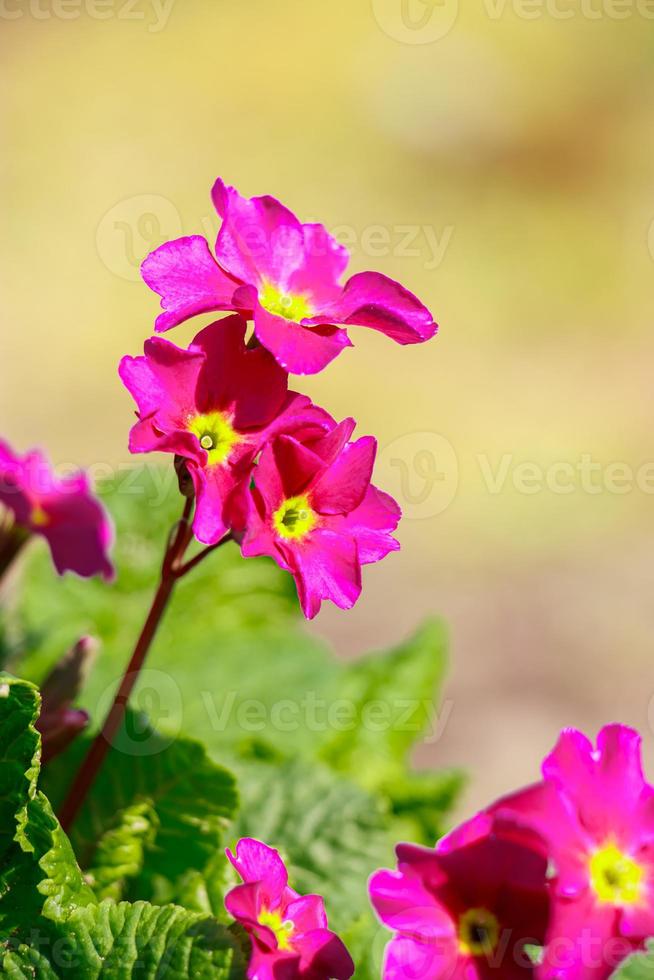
255,861
325,566
247,383
371,525
343,485
299,349
372,300
189,281
260,240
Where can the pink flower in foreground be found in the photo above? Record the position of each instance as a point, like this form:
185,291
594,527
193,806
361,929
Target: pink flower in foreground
214,405
596,813
287,277
289,932
313,509
63,511
465,910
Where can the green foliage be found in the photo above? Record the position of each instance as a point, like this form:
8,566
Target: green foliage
331,833
640,966
122,941
321,750
171,801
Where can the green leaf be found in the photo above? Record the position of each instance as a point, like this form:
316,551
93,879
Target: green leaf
392,701
121,851
640,966
20,747
192,797
421,801
232,644
120,942
331,833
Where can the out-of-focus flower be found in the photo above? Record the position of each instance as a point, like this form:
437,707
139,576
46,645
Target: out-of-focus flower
596,812
215,405
312,508
59,722
466,910
290,935
287,277
64,511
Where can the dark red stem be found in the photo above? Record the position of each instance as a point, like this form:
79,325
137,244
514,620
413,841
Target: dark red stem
171,571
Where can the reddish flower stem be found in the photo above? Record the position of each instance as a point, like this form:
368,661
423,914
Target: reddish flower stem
172,570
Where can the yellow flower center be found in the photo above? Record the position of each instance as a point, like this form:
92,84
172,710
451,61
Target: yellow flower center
38,517
216,435
295,518
615,877
479,933
283,929
291,307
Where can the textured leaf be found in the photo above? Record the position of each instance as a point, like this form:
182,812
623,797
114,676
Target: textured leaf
19,757
332,833
640,966
121,942
192,797
120,853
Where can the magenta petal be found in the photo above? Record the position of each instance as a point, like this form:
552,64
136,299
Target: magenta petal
249,384
259,240
299,350
78,531
296,464
342,487
371,525
583,943
243,904
255,861
164,381
188,279
329,445
404,905
307,913
323,265
410,959
323,955
213,486
326,566
372,300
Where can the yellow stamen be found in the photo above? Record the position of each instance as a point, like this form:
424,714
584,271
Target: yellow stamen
216,435
282,928
295,518
479,933
615,877
38,517
291,306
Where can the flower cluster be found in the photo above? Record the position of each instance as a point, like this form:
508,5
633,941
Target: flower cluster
35,501
566,865
266,466
289,931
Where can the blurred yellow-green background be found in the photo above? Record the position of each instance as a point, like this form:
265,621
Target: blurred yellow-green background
498,159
